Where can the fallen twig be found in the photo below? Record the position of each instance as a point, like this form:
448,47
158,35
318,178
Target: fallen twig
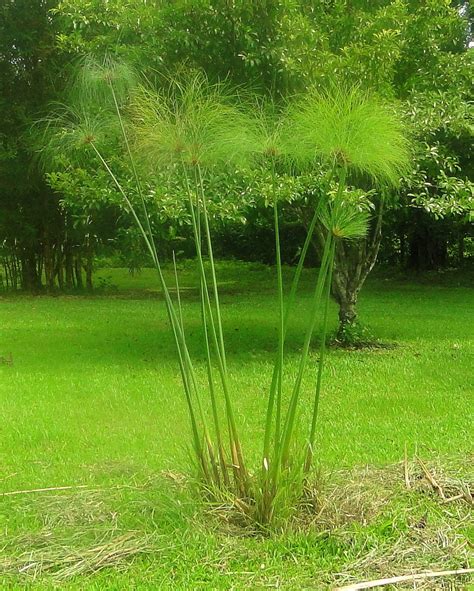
455,498
405,470
431,479
404,578
36,490
72,487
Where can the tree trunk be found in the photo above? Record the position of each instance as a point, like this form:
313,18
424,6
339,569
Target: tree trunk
350,271
345,290
48,265
461,245
78,272
403,248
353,262
68,268
59,269
88,268
30,281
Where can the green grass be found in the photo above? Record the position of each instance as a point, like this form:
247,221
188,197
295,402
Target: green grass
94,398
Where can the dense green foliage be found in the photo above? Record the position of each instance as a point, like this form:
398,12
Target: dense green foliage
413,51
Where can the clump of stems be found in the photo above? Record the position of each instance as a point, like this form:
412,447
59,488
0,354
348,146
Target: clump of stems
191,129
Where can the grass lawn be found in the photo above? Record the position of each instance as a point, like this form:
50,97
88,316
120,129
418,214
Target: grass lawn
94,400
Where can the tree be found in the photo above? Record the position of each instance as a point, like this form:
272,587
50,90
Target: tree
28,207
41,242
417,53
402,50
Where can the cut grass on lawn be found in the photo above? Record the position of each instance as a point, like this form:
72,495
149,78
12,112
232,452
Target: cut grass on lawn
93,400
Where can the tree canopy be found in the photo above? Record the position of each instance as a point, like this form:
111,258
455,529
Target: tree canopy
412,52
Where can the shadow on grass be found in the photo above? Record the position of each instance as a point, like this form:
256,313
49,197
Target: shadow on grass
130,328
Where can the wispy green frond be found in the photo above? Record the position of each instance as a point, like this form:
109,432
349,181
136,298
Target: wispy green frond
266,131
351,128
99,83
68,132
193,122
344,217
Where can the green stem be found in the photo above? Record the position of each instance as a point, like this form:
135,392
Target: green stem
210,376
228,400
186,368
276,367
212,265
288,308
281,323
235,447
178,294
291,414
210,380
322,351
134,169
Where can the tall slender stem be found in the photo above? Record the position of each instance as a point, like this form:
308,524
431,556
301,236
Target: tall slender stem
134,169
291,414
238,465
186,367
228,401
178,293
322,351
204,297
288,308
210,253
281,320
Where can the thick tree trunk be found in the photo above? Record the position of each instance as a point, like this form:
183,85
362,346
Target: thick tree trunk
351,268
346,296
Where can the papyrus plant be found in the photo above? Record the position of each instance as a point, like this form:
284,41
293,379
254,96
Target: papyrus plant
189,130
192,129
354,135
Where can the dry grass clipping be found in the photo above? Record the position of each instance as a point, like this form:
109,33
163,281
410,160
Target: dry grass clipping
435,504
81,534
65,562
